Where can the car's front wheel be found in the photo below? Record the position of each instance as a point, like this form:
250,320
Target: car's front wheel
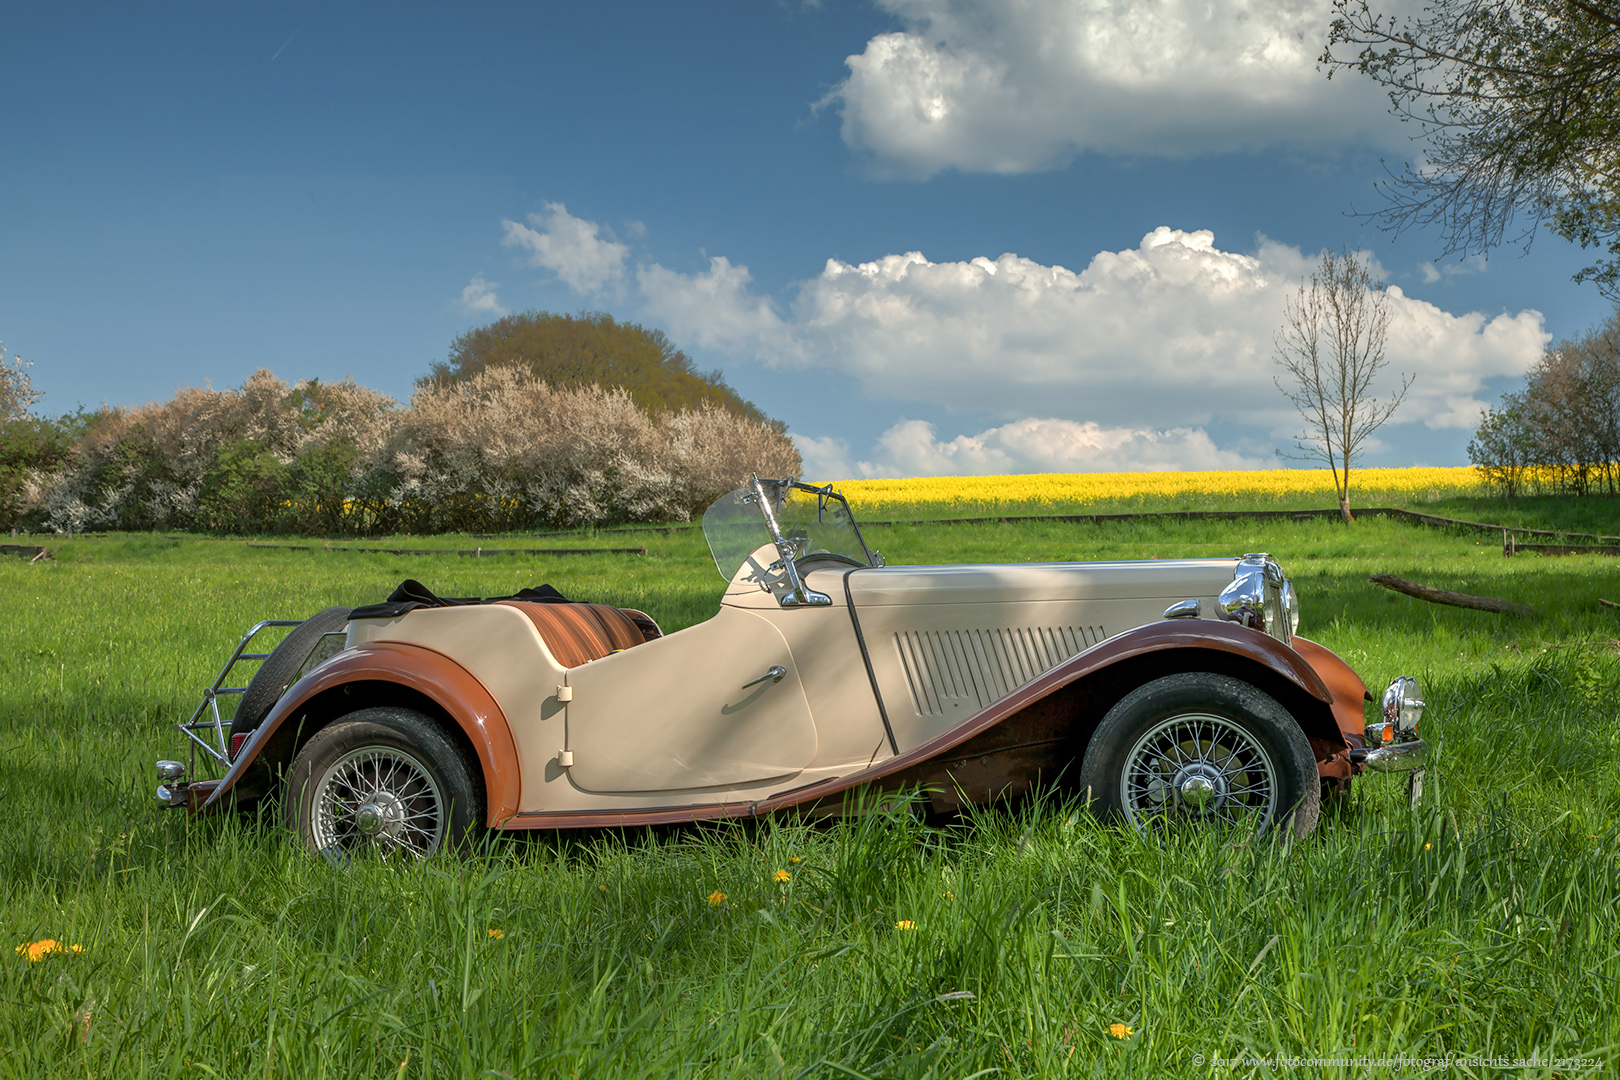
1202,749
387,781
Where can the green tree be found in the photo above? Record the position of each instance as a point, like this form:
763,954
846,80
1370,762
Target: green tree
1518,107
1565,422
571,351
27,442
245,491
1503,447
17,393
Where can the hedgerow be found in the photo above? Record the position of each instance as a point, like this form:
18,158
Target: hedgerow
503,450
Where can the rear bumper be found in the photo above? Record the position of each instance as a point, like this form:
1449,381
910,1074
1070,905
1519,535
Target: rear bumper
172,796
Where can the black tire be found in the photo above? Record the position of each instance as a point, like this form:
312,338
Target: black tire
384,780
1204,749
276,672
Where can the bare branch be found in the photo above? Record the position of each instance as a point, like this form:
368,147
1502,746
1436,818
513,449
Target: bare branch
1517,103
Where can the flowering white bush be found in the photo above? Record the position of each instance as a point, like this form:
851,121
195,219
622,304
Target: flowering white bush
503,450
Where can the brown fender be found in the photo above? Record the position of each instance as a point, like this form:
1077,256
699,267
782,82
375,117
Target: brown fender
1349,692
1190,635
430,674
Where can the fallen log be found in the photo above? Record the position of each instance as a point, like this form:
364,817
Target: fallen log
1453,599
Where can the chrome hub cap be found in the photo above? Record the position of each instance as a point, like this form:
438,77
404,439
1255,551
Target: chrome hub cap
383,814
1198,791
377,798
1198,766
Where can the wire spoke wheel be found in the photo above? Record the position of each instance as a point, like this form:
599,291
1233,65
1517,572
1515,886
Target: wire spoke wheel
378,797
1201,768
1202,750
383,782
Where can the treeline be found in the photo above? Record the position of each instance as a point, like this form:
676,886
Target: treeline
512,433
1560,435
503,450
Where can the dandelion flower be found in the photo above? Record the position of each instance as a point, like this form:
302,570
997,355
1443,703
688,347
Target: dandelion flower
905,924
38,950
716,898
782,877
496,934
1120,1031
795,861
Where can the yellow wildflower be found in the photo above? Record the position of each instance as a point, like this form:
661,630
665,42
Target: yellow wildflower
782,877
716,898
1037,493
1120,1031
38,950
496,934
905,924
795,861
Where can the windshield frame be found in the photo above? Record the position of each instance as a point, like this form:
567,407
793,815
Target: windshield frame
770,498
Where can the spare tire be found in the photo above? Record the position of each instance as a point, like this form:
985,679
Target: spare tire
276,673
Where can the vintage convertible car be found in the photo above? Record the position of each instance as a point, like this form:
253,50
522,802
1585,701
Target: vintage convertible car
1167,691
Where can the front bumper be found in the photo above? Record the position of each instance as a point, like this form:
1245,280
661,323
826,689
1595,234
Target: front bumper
1407,756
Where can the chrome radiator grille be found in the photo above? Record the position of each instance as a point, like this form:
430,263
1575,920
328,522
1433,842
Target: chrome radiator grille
962,668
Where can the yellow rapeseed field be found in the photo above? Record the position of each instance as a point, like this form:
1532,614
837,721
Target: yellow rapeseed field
1160,490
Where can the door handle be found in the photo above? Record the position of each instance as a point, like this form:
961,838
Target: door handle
774,673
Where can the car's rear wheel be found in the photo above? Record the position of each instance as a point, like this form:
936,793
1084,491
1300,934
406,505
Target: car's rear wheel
385,781
1202,749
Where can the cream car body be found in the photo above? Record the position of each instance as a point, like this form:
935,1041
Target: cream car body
825,671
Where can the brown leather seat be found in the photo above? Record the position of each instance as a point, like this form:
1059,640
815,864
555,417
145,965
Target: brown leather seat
579,633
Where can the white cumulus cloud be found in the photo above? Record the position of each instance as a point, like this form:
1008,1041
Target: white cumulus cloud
570,247
1173,333
912,448
478,298
1122,364
1013,87
713,309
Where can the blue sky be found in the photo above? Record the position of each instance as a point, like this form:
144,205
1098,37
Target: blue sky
931,236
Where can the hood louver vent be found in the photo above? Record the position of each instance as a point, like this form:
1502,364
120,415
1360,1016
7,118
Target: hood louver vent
957,672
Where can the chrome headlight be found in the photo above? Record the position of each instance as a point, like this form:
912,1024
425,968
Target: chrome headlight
1403,704
1261,598
1290,603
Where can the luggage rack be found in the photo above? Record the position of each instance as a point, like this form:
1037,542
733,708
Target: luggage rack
219,751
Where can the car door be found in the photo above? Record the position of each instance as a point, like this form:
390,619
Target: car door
715,705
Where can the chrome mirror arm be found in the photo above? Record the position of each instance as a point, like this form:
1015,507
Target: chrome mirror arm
799,596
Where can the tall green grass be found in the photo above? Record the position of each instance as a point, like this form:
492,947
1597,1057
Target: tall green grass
1482,924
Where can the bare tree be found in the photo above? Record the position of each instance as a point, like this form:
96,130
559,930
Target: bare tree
1331,346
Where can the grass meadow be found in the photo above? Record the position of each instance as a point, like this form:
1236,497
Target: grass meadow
1025,941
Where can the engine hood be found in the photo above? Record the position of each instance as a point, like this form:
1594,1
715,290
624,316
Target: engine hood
1166,579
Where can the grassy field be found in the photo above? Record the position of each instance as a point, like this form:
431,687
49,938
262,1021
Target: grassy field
1025,942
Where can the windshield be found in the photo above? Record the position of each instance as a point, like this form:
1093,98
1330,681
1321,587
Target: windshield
814,521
